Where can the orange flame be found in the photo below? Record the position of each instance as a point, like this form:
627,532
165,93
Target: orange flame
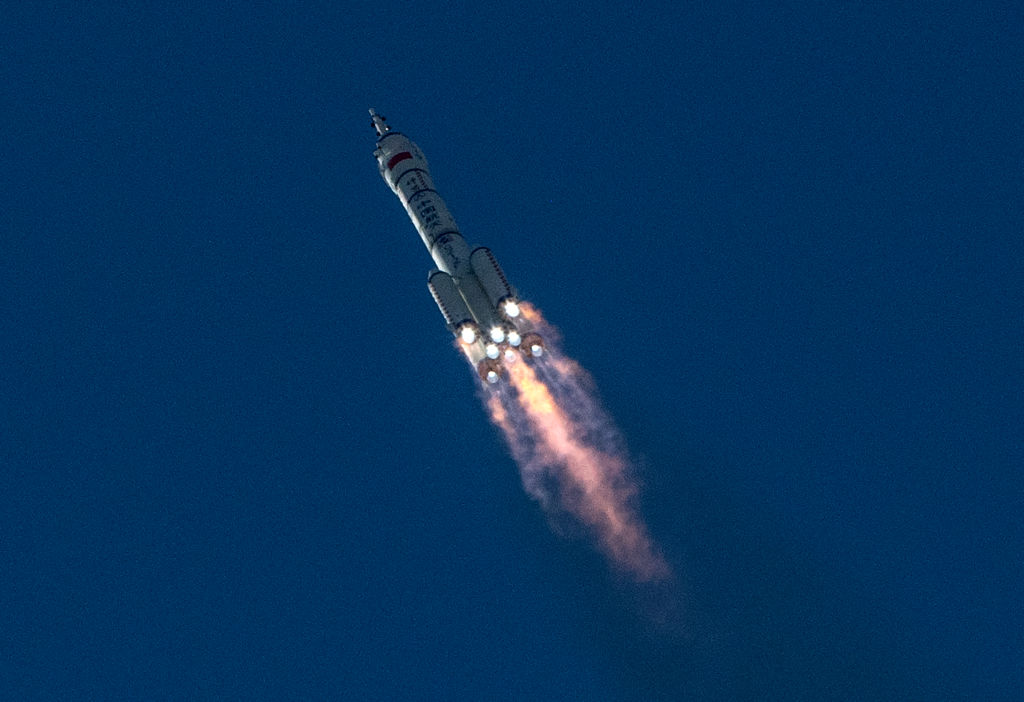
556,428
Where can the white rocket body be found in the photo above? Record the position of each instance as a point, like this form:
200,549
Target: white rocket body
476,299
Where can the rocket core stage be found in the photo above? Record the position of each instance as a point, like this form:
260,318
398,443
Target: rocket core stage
478,303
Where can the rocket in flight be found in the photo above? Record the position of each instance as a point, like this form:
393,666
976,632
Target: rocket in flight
479,305
571,456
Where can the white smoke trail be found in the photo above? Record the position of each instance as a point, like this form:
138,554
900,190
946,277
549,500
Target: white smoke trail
571,457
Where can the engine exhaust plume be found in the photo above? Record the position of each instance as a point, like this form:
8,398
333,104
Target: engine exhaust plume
571,457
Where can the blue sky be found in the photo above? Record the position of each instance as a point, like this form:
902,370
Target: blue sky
240,458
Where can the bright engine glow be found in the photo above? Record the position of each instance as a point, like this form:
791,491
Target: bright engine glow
511,309
492,377
497,335
468,335
492,350
514,338
537,350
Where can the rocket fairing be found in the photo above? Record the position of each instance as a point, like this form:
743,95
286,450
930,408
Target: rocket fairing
478,303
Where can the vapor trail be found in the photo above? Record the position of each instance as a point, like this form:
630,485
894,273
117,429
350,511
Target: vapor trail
571,456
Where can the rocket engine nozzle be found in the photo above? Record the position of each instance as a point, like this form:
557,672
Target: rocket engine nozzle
532,345
490,370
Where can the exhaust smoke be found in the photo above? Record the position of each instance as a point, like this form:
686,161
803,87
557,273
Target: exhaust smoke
571,457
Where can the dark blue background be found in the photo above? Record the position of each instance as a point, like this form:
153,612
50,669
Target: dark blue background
240,458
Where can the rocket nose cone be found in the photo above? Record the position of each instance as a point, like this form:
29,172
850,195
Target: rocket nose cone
379,123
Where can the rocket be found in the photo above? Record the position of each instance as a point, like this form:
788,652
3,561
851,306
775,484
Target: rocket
479,305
